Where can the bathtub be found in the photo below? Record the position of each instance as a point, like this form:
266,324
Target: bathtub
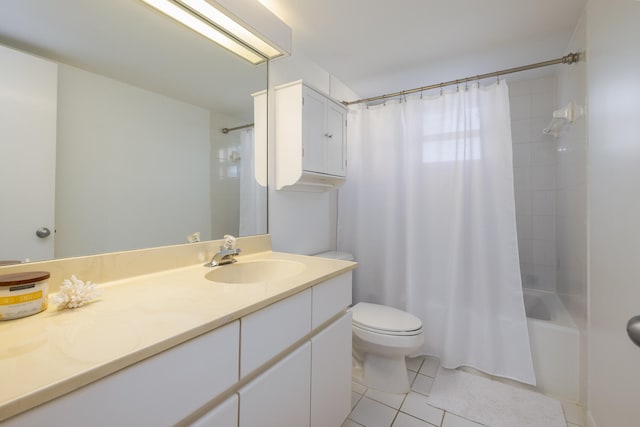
555,344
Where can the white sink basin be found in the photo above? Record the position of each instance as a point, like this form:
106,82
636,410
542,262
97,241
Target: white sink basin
255,271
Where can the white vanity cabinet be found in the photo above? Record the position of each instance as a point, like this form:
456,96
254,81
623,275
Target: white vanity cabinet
287,364
311,385
158,391
311,139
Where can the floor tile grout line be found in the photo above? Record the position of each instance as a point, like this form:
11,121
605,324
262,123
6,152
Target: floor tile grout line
420,419
394,418
382,403
421,363
361,396
426,396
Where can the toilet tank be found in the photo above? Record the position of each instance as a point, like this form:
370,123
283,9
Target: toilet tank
344,256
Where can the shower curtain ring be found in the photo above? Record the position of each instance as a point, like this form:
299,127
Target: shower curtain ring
478,79
441,90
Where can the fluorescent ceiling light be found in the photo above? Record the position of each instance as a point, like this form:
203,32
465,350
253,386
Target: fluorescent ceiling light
202,17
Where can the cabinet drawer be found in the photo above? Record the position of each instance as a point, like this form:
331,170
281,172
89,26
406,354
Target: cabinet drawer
269,331
161,390
280,396
330,298
223,415
331,374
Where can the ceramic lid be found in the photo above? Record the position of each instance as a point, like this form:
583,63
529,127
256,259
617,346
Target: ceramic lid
383,318
23,278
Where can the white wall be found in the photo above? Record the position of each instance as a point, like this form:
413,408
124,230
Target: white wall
121,150
301,222
613,84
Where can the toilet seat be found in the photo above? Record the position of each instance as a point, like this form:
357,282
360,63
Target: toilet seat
389,333
385,320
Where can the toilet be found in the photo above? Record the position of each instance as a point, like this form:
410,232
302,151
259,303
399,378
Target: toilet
382,338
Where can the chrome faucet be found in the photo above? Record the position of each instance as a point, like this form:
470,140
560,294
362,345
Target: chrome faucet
227,254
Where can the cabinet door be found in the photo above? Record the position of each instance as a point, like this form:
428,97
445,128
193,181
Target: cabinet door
223,415
330,298
313,132
280,396
331,374
336,139
269,331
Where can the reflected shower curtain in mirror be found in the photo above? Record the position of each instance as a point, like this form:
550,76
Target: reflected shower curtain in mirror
428,210
253,197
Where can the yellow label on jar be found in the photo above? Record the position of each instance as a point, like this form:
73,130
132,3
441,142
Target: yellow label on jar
18,299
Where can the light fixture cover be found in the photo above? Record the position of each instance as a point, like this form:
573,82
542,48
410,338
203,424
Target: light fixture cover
203,17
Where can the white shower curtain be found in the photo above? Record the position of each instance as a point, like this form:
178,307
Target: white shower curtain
428,211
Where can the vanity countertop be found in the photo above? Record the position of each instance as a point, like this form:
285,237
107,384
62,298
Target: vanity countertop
54,352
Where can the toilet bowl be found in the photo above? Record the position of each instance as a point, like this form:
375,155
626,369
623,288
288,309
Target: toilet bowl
382,338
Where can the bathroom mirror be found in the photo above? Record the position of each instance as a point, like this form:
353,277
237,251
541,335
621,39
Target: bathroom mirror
138,157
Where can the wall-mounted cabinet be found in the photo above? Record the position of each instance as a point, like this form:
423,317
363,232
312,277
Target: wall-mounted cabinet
311,139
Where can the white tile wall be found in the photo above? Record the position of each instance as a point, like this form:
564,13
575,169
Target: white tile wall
535,179
544,153
543,202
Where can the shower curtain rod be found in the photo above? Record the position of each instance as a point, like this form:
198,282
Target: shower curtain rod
567,59
227,130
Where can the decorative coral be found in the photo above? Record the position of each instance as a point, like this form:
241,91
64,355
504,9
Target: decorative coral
75,293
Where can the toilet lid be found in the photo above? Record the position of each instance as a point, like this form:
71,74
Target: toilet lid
383,318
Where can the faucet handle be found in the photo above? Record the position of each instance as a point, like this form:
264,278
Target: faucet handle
229,241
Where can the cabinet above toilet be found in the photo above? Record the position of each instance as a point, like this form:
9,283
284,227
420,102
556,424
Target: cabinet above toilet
311,140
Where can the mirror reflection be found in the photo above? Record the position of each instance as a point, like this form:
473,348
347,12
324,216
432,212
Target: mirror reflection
111,119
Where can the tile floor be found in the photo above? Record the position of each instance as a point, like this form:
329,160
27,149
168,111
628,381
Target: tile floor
373,408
